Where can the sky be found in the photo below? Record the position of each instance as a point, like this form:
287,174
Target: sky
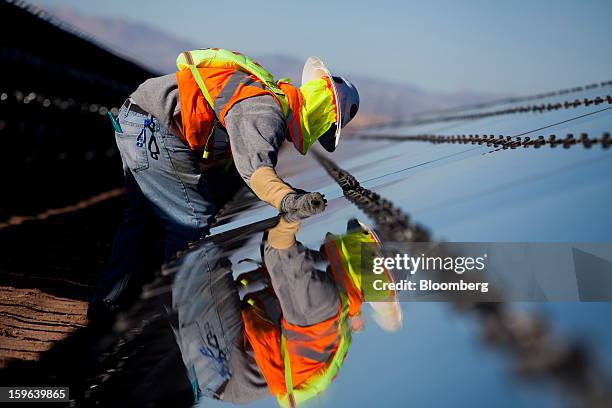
498,47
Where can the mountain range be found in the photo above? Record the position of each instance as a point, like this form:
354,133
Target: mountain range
157,50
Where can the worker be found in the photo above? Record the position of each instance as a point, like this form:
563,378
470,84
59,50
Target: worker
219,105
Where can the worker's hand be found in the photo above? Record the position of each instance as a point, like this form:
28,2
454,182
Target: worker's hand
297,207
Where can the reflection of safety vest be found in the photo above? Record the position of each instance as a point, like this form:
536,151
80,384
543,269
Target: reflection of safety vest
351,259
212,80
300,362
297,362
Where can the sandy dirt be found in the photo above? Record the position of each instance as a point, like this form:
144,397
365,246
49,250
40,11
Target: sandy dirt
31,321
48,270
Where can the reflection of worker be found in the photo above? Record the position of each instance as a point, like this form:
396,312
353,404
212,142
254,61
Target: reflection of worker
295,332
173,124
301,353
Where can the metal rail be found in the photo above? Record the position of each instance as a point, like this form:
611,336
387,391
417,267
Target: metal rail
535,108
503,142
503,101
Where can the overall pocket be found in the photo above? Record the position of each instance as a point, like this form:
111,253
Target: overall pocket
132,144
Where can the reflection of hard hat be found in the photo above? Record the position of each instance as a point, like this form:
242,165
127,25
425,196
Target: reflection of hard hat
345,93
358,248
388,315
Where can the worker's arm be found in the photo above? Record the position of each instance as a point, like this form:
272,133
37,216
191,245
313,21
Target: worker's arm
270,188
256,129
306,294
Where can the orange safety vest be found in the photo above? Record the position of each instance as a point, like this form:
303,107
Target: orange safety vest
226,86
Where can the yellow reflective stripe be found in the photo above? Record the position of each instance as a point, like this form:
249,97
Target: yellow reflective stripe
200,82
181,61
320,381
355,276
287,364
284,103
206,151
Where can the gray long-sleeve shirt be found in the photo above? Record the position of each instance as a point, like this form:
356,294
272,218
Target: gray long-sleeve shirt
307,295
256,126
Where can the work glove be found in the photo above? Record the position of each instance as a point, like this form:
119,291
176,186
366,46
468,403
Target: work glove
296,207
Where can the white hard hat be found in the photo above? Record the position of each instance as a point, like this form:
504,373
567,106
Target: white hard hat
347,99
